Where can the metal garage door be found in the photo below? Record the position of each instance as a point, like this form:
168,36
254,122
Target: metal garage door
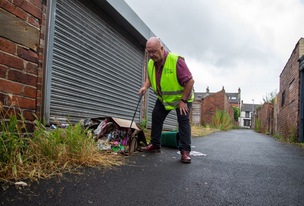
96,69
94,66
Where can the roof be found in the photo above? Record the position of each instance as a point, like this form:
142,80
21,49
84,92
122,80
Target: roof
233,97
249,107
199,95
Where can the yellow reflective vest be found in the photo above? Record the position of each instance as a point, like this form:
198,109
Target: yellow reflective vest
171,90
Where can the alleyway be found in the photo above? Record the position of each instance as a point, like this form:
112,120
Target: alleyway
238,167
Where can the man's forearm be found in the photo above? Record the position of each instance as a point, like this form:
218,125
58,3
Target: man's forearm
147,83
188,89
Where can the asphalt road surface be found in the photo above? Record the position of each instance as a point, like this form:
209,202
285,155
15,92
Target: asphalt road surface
238,167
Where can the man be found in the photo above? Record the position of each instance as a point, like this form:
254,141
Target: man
172,82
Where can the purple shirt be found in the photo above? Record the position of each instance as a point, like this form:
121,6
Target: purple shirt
182,70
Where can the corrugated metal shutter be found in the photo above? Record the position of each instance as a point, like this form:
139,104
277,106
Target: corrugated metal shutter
196,112
97,68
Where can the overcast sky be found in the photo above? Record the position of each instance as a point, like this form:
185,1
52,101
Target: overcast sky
232,43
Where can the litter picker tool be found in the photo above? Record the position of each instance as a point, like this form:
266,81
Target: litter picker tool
132,137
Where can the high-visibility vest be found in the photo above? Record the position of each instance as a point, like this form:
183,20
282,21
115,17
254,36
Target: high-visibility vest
171,90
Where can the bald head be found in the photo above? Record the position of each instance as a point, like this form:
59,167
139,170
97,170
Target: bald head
155,49
153,41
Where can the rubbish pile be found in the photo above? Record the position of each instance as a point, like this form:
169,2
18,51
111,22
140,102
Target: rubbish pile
115,134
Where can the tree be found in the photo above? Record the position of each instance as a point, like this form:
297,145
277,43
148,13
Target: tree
237,113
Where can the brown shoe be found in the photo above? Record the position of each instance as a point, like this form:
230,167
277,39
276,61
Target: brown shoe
150,149
185,157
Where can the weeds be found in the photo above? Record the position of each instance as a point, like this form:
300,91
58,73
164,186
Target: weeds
222,120
258,125
144,123
45,153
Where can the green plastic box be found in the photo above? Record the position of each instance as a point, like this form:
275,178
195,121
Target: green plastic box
170,139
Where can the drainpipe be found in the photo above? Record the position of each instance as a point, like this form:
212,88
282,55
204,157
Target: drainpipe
301,125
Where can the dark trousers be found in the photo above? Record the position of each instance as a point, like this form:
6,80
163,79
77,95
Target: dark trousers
159,115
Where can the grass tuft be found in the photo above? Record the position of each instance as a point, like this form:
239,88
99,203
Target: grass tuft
45,153
222,120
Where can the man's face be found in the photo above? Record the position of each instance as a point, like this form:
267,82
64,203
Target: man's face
155,52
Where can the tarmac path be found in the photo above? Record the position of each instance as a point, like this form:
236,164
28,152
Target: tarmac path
241,167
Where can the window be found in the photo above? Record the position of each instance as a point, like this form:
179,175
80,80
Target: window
247,114
291,85
283,98
246,122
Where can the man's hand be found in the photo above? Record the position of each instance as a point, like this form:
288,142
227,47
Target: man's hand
183,108
142,90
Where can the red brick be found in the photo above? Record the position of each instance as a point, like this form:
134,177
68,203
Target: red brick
288,115
33,21
29,7
41,58
211,103
31,68
3,99
38,98
28,115
39,72
25,103
265,116
42,40
40,64
29,92
27,54
7,46
37,3
10,87
40,49
38,94
38,112
30,127
39,79
13,9
23,78
3,71
11,61
39,86
43,21
34,13
11,111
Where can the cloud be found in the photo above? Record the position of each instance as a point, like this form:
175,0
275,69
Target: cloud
237,43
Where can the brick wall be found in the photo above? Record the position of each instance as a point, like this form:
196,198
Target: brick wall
276,109
288,97
266,118
211,103
22,35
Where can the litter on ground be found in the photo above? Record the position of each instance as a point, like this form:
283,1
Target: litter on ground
195,153
115,134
